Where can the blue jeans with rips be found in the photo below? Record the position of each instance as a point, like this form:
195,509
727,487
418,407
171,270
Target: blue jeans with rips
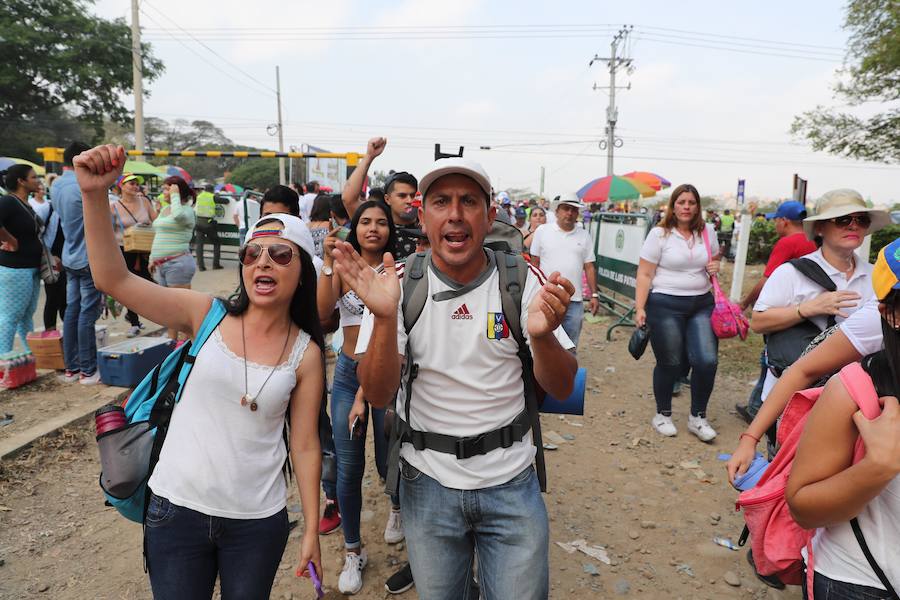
679,327
351,454
83,305
506,523
187,549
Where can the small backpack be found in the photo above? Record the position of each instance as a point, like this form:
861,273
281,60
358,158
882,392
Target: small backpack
775,538
129,455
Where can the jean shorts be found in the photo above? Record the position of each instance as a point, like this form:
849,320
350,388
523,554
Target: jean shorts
176,272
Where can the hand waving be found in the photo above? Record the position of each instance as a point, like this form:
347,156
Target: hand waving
547,309
98,168
379,291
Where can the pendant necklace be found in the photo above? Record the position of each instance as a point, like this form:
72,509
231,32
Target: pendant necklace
248,398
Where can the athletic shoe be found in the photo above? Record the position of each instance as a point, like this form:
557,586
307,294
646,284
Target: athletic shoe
68,376
331,520
700,427
400,581
133,331
744,413
350,581
663,425
92,379
393,531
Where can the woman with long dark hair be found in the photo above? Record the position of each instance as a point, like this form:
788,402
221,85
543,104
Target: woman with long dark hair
673,297
219,489
371,234
20,256
826,489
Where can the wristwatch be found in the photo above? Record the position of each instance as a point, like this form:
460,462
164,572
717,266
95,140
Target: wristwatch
595,295
327,271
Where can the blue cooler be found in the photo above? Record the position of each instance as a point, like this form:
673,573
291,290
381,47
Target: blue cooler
574,404
125,364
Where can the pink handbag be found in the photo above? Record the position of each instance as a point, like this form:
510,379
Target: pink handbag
727,318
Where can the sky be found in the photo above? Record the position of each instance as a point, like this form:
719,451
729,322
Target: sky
713,90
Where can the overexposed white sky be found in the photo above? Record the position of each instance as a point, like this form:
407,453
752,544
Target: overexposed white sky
713,93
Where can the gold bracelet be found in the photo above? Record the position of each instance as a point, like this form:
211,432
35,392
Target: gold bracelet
798,312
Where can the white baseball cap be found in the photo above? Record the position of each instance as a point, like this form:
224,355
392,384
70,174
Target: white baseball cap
294,230
455,166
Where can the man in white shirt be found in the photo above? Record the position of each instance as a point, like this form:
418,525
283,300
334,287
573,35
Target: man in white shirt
308,199
466,380
563,246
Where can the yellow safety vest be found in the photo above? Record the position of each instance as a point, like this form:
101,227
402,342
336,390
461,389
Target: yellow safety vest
206,205
727,223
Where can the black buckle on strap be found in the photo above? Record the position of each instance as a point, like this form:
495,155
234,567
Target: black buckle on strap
506,437
470,446
416,438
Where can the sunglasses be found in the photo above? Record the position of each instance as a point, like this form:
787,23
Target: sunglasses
281,254
862,220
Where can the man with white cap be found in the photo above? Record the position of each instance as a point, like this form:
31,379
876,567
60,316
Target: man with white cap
565,247
466,451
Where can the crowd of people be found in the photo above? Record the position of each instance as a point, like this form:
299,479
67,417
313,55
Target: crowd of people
395,274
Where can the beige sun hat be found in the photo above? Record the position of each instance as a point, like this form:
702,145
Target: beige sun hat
838,203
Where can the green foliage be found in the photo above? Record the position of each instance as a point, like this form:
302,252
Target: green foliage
882,238
256,173
872,74
762,239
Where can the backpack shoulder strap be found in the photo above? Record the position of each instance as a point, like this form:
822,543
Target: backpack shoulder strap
814,272
862,390
414,293
213,317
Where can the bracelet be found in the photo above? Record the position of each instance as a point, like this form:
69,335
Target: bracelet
749,435
798,311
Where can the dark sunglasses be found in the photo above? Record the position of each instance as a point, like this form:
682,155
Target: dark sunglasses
281,254
862,220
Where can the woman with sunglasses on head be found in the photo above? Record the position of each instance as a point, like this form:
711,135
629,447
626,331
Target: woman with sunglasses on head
826,489
371,234
219,489
132,208
840,224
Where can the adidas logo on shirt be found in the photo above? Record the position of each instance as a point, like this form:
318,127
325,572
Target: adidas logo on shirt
462,313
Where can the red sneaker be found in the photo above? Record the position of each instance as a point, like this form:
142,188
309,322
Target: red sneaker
331,520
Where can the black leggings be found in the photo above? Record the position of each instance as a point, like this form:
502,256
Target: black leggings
139,264
55,303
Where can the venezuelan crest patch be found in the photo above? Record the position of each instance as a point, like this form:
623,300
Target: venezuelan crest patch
497,328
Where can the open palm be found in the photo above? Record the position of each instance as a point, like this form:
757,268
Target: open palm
380,292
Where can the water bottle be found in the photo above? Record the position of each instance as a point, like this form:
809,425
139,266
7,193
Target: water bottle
109,418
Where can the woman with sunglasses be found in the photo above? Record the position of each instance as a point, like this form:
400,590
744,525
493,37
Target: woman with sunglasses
371,234
840,224
219,490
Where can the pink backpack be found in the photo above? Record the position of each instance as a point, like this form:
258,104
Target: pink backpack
775,538
727,318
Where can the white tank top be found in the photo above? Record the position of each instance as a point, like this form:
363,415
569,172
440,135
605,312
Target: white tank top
837,554
220,458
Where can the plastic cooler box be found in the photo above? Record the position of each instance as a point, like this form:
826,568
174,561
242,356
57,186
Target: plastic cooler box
125,364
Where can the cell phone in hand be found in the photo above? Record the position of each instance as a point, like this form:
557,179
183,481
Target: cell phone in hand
342,234
357,429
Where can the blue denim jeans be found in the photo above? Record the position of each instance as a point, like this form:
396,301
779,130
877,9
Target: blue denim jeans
351,454
679,327
83,305
506,523
573,320
825,588
186,550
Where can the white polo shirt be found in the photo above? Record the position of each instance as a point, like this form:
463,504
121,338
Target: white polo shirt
863,328
469,380
563,251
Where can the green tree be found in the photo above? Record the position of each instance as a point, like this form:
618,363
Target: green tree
258,173
60,63
871,74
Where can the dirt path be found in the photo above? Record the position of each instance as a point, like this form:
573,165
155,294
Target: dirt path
655,504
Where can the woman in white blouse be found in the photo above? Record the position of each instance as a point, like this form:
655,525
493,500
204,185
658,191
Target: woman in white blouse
673,298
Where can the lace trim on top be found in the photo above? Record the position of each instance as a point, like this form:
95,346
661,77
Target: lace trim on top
291,364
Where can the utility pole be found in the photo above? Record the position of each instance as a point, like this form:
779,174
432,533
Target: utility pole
542,182
614,62
137,76
280,126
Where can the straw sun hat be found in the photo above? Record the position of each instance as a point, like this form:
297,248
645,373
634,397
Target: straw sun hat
838,203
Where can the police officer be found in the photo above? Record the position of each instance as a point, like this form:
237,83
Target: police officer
205,229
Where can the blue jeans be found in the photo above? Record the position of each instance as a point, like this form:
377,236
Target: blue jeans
679,327
351,454
825,588
19,293
506,523
187,549
82,311
573,320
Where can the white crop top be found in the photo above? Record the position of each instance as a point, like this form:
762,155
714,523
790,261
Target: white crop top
220,458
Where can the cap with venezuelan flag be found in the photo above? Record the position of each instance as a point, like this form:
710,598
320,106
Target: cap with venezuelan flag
886,274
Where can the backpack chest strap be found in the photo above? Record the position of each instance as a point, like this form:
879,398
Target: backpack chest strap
466,447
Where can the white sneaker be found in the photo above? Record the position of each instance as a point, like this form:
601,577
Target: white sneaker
350,581
90,379
393,531
700,427
69,376
133,331
663,425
